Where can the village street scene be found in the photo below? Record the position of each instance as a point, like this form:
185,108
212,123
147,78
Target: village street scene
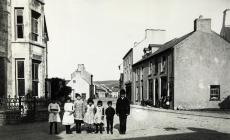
112,69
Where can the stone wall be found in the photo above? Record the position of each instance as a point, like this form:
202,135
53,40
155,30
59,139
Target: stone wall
201,60
4,44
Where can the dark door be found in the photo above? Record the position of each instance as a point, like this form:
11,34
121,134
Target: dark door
128,91
151,89
156,91
2,77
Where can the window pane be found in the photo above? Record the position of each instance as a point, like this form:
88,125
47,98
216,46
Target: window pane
21,87
20,31
33,77
19,19
35,71
20,69
214,92
35,88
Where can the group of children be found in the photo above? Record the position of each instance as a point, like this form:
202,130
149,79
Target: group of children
79,113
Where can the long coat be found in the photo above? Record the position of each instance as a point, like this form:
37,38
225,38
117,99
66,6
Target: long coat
68,118
99,116
123,107
79,110
89,115
54,110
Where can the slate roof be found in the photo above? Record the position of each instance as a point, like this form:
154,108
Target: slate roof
165,47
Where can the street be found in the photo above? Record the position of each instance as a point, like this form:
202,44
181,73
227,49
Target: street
142,124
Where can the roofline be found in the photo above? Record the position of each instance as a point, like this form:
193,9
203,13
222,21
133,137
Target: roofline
130,50
147,58
156,53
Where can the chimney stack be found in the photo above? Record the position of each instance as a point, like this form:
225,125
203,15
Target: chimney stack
155,36
202,24
226,18
81,67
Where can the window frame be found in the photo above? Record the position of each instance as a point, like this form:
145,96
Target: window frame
19,78
163,63
35,17
150,67
35,77
156,69
214,88
17,25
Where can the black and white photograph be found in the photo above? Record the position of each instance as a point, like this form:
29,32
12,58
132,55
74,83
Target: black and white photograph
114,69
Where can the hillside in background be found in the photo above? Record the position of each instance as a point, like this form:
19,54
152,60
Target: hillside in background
111,84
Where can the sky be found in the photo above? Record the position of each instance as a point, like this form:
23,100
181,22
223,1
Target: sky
98,33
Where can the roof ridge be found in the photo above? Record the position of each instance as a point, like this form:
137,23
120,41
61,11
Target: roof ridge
171,43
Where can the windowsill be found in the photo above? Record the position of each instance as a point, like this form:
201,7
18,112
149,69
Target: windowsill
214,100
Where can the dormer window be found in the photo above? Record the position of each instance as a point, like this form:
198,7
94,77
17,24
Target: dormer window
35,25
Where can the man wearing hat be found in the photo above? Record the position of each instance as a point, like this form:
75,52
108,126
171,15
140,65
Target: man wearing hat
122,110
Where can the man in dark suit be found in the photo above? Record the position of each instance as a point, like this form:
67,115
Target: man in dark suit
122,110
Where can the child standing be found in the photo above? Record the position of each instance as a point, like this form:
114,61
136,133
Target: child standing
68,118
78,112
99,116
89,115
54,116
109,112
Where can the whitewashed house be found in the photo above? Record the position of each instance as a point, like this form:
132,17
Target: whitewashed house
81,83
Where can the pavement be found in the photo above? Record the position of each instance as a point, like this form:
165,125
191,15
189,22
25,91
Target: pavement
143,124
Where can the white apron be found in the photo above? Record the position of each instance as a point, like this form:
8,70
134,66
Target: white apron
89,115
98,118
68,118
54,110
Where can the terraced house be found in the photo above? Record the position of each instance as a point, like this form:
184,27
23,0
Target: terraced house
23,49
191,72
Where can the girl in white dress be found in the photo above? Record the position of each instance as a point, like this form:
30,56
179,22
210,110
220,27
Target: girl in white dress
99,116
89,115
54,116
68,117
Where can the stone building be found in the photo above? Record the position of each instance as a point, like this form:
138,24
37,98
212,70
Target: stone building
152,36
192,72
23,47
127,71
81,83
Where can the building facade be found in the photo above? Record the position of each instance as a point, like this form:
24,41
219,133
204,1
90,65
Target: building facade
81,83
25,58
127,71
191,72
135,54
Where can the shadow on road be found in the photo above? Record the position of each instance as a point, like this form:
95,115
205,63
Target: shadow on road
197,134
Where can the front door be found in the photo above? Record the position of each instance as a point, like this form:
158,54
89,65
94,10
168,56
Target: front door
128,91
150,89
156,92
